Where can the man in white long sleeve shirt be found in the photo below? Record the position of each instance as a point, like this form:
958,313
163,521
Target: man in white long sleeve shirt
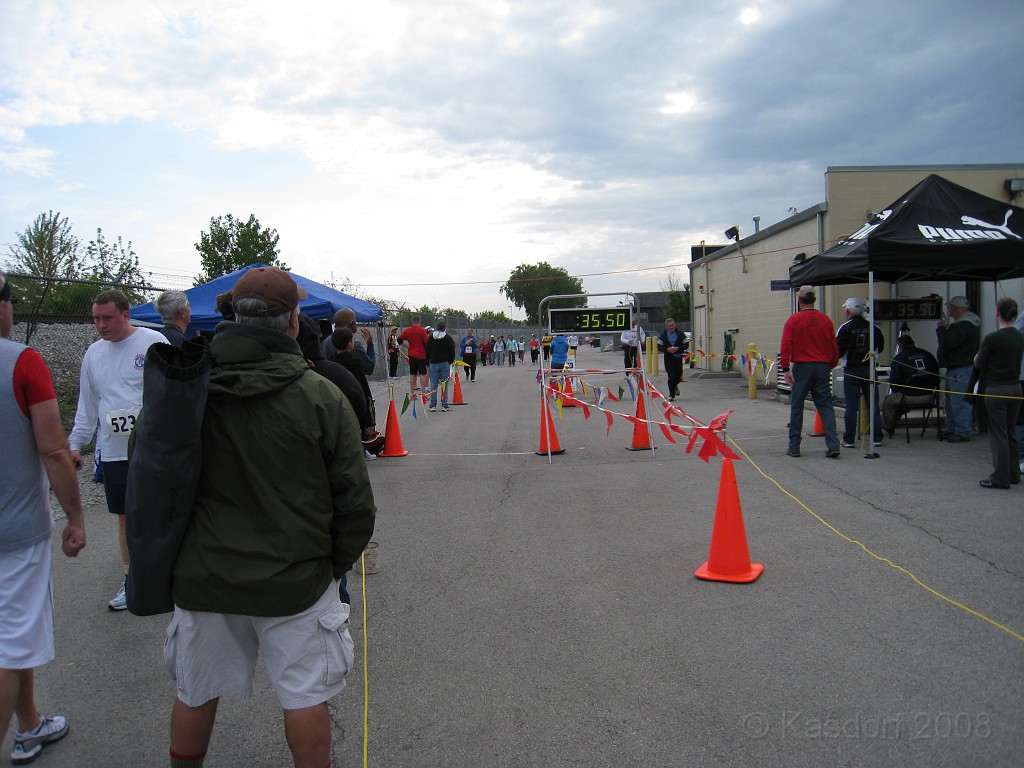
110,392
631,341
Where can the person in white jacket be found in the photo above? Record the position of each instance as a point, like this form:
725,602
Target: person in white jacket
110,393
631,341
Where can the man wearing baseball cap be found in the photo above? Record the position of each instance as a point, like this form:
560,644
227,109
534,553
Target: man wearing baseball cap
959,341
854,341
283,509
807,356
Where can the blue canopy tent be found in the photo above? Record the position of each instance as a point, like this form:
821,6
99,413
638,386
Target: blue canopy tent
322,302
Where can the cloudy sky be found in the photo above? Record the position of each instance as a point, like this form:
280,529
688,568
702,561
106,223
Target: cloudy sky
424,148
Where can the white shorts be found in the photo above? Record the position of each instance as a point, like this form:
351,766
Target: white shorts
307,655
26,607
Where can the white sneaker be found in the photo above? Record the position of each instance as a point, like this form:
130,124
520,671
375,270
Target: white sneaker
120,602
845,444
369,456
432,409
28,744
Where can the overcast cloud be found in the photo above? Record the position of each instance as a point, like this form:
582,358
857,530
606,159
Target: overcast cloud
444,141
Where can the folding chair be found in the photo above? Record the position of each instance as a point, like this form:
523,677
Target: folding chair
919,385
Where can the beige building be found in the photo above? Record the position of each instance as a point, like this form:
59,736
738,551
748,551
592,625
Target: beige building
741,293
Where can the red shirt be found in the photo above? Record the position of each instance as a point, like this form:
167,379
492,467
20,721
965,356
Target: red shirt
32,381
417,337
809,337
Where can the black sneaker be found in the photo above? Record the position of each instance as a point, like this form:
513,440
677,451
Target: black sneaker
832,454
794,452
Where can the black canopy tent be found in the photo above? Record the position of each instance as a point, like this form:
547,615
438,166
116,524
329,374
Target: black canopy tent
938,230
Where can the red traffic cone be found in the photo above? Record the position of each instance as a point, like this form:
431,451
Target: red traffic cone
641,430
819,428
548,438
393,447
729,559
567,390
457,392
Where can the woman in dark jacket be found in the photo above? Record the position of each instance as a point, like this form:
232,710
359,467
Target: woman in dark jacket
998,360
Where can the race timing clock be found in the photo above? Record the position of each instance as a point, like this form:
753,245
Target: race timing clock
589,320
908,309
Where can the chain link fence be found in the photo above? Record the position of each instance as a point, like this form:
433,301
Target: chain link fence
54,316
63,301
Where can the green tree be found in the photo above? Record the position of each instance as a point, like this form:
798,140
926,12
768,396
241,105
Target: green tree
118,264
47,248
231,244
529,283
678,297
491,318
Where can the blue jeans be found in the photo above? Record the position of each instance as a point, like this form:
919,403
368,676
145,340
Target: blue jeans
856,384
814,379
958,412
439,373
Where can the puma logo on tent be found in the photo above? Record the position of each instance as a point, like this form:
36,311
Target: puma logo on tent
970,220
990,231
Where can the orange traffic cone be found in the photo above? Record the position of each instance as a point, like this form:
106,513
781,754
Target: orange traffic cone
729,559
568,391
393,447
457,392
548,438
641,431
819,428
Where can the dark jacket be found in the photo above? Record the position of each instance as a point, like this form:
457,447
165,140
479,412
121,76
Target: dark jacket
163,475
440,348
681,342
173,335
911,362
959,341
854,341
334,372
284,502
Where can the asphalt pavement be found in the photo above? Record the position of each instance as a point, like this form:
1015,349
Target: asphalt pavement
536,614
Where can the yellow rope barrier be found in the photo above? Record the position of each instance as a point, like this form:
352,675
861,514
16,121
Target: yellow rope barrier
366,673
887,561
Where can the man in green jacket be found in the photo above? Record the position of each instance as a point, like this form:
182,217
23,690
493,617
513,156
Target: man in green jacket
283,509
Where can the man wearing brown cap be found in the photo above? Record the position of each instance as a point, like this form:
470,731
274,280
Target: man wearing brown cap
283,509
808,354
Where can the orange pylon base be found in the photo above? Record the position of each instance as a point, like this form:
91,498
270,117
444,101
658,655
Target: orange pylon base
729,559
568,391
457,392
641,431
819,428
548,437
393,447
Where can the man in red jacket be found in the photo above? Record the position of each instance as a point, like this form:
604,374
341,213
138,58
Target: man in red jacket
808,355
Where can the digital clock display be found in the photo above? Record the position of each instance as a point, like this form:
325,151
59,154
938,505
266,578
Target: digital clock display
908,309
589,320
